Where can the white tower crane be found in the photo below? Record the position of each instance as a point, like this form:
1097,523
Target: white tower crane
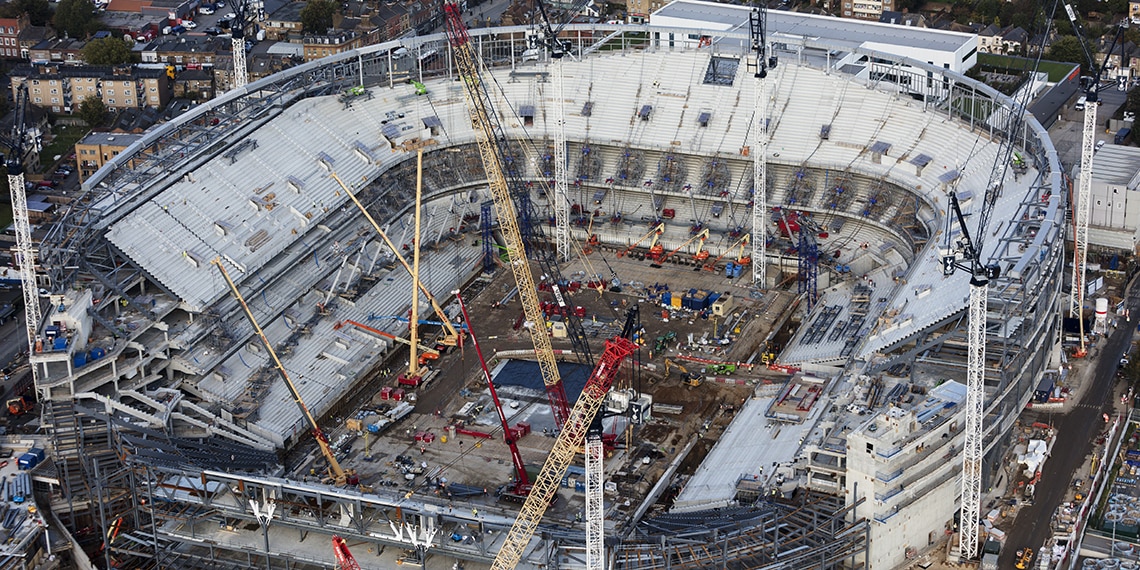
595,514
1084,177
246,12
20,144
758,25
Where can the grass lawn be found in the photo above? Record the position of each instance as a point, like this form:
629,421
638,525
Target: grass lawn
1057,70
63,144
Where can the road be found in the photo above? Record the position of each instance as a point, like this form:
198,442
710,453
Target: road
1076,430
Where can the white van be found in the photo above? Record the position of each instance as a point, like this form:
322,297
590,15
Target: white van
1080,106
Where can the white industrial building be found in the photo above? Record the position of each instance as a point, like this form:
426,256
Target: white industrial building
1114,215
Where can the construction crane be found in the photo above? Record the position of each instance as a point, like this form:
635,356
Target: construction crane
20,144
655,232
451,336
344,558
489,135
561,202
414,323
702,235
687,378
246,12
338,474
569,440
758,27
521,486
425,349
980,276
1084,178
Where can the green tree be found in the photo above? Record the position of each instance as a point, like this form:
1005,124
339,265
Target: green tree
107,51
317,16
38,11
76,18
1068,48
93,111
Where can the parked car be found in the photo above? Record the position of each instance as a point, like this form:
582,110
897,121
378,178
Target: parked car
178,29
47,183
213,30
205,11
189,24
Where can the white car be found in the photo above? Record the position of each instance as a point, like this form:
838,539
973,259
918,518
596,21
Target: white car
231,16
1099,144
205,11
189,24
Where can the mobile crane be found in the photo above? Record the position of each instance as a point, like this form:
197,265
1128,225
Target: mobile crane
451,336
489,135
344,558
740,257
336,472
1084,179
521,486
570,439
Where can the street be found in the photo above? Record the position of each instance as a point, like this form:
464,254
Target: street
1076,431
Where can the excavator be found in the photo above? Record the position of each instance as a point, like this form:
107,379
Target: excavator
690,379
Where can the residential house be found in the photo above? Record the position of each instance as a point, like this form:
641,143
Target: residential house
97,148
63,50
10,29
903,19
61,87
38,123
639,10
196,84
1120,63
1013,40
989,37
332,43
865,9
31,36
186,51
1134,12
285,23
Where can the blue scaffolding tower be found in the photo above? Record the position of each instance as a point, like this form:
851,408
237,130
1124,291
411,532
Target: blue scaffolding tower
488,238
808,266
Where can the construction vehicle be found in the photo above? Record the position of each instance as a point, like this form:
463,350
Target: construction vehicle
663,341
336,472
701,235
344,558
519,489
20,406
691,379
655,232
741,259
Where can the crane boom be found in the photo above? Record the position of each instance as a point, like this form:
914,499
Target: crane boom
337,471
344,558
482,115
703,235
451,337
570,439
522,484
655,232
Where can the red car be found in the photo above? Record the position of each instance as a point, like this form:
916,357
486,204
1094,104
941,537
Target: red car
47,183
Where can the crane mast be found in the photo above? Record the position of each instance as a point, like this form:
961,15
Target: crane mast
758,25
25,250
561,202
1084,178
246,11
488,132
338,473
595,514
